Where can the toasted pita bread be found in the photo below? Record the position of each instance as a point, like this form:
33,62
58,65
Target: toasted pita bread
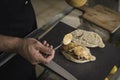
78,41
87,38
71,58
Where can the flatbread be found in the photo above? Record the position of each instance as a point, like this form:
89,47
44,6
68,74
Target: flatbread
71,58
87,38
78,41
77,53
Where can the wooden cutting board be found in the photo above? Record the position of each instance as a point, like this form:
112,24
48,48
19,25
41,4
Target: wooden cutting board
102,17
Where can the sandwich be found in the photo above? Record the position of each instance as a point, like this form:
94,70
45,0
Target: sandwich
76,45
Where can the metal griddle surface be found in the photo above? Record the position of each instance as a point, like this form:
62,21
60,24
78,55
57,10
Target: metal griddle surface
97,70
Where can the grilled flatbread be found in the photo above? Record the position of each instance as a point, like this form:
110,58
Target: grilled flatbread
77,53
75,45
72,57
87,38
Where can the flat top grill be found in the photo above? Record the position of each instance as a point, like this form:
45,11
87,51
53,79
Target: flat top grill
106,57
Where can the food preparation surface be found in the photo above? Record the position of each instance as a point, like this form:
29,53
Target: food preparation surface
104,17
97,70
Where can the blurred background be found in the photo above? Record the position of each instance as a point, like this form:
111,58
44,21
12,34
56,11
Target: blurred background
45,10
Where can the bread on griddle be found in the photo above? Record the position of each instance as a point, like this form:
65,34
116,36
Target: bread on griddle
87,38
67,39
77,53
75,45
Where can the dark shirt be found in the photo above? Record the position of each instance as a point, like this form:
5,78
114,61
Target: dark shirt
17,18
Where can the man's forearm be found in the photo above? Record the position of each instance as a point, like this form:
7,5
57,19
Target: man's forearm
9,44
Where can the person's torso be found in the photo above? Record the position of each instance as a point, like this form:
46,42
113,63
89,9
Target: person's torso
16,17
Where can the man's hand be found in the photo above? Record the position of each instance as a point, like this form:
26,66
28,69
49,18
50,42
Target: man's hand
31,49
35,51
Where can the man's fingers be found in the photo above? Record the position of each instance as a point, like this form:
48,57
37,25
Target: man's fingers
50,57
51,47
46,60
46,49
44,42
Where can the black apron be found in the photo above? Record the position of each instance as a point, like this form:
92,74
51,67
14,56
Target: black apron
17,18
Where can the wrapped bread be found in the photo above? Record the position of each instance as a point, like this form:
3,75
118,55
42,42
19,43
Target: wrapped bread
77,53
